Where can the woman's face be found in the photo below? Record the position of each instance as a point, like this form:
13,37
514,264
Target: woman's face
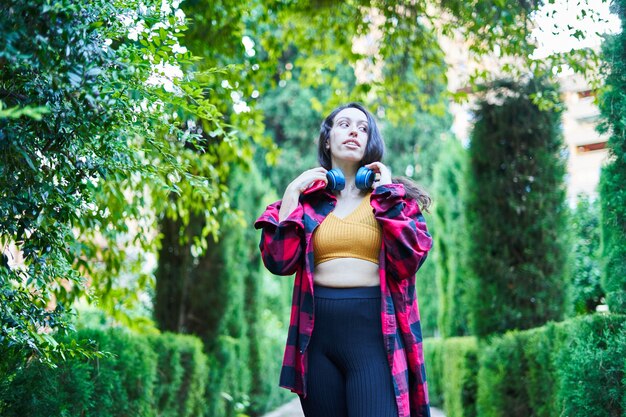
348,137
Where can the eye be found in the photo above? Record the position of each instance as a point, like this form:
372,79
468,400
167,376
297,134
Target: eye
363,129
343,124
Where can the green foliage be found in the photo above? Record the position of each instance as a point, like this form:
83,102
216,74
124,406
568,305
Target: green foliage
399,51
452,365
572,368
584,290
72,176
121,384
541,348
450,239
591,368
501,386
516,211
180,384
612,191
238,304
433,359
460,366
16,112
162,375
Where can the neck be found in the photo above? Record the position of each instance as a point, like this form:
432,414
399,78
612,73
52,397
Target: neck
349,169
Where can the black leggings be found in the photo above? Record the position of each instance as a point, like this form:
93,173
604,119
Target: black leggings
348,372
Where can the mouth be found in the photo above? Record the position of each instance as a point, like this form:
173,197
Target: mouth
351,143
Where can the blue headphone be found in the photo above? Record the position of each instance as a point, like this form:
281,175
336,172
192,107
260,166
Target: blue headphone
337,182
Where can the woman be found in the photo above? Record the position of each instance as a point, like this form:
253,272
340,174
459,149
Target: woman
354,346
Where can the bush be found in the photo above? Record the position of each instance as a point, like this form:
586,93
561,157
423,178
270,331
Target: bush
460,367
452,366
87,122
433,358
573,368
541,347
592,368
140,376
501,385
180,376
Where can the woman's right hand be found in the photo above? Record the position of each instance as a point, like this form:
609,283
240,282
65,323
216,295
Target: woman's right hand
307,179
296,187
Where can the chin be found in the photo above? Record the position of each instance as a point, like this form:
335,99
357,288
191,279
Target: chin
350,160
351,156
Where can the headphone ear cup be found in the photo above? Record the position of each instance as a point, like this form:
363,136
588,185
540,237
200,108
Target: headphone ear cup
336,180
364,178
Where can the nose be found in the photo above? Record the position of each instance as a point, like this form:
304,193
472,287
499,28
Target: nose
353,132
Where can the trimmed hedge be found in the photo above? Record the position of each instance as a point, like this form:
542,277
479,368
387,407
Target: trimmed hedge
452,366
181,375
433,358
460,366
143,376
573,368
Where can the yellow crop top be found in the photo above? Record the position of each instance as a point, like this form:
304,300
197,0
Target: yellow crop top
358,235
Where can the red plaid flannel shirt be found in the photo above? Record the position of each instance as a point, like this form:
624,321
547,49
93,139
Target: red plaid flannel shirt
287,248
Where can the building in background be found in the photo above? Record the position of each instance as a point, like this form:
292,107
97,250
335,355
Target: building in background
586,147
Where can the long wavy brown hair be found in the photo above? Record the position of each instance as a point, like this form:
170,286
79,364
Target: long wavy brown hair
414,191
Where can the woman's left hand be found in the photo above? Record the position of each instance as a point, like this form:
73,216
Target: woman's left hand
384,176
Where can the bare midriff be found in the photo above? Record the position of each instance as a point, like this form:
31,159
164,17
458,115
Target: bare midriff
346,272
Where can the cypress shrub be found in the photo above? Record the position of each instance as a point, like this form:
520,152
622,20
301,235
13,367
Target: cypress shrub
433,357
460,367
516,210
591,368
613,177
120,384
124,386
540,348
501,384
180,375
450,241
584,292
574,368
160,375
266,298
244,363
203,294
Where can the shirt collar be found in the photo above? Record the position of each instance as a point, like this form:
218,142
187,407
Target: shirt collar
320,186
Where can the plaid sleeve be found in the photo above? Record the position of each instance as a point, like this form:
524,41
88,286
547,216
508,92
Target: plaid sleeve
281,243
405,235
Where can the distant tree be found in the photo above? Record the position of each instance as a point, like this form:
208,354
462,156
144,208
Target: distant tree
516,210
451,239
613,197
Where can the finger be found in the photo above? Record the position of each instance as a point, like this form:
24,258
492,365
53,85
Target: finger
322,169
317,177
374,166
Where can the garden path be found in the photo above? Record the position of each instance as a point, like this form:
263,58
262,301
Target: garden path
293,409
